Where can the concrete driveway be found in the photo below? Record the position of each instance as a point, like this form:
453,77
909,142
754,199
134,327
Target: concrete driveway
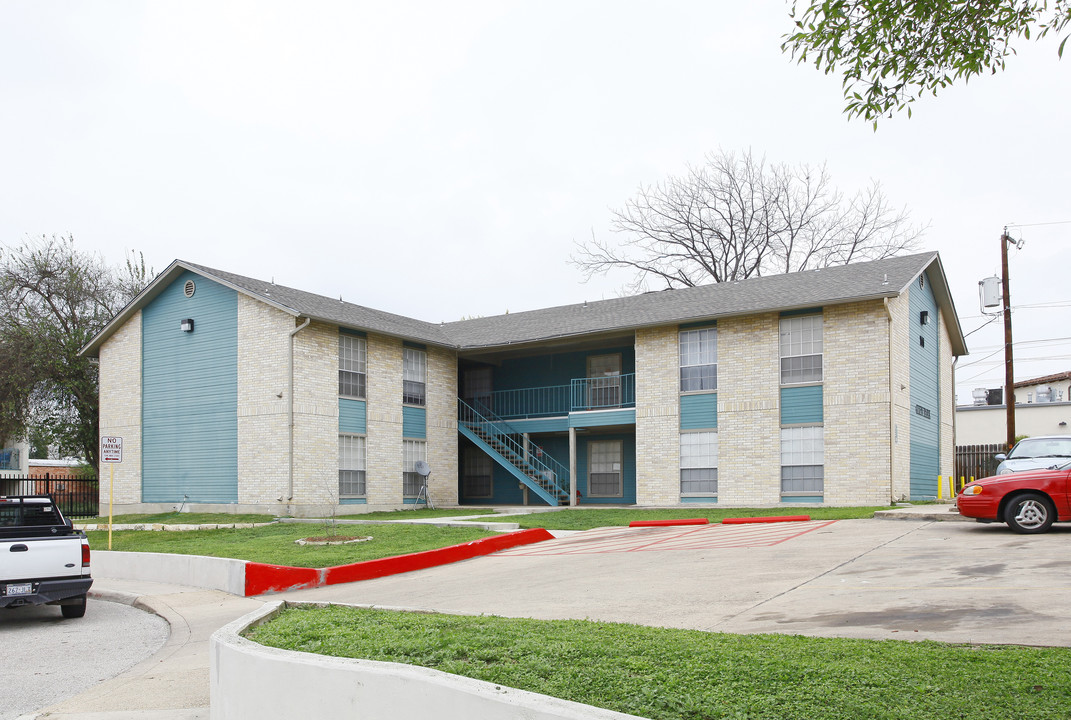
953,582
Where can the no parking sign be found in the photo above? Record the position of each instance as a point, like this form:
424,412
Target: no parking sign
111,449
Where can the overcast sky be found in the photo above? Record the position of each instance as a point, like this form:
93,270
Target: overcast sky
440,160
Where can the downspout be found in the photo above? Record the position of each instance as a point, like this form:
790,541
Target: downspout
290,411
892,414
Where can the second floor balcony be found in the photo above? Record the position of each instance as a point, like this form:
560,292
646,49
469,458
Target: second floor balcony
611,392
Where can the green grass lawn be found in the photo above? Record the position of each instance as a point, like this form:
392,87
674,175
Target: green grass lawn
421,514
693,675
174,518
586,519
274,544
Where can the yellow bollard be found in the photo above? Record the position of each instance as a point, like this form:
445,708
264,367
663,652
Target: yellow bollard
940,487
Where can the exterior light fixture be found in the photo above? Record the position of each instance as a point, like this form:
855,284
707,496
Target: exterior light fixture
924,317
186,325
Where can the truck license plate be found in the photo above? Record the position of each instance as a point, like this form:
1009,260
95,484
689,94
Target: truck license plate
20,589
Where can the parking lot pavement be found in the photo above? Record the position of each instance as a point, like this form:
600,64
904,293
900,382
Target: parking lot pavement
955,582
46,656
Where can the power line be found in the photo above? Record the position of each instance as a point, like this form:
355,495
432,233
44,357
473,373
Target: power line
1034,306
1057,222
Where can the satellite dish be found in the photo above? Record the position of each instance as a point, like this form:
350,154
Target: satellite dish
422,468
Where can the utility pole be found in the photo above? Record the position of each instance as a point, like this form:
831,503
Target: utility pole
1009,375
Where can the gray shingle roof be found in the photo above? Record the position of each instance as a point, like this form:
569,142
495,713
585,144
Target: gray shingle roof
813,288
331,310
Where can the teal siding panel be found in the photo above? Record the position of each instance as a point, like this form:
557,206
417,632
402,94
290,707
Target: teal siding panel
802,499
698,325
801,405
699,412
711,500
539,425
601,418
414,422
190,395
353,501
352,416
556,369
801,311
925,411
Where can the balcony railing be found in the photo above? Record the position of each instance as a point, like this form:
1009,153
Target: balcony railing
602,393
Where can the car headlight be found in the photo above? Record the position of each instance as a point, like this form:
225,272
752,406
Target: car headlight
1005,471
972,490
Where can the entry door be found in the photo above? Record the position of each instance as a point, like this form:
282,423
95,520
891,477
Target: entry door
604,381
476,388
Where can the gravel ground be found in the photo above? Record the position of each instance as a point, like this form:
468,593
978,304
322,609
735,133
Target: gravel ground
47,658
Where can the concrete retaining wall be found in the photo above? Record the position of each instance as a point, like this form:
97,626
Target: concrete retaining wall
195,570
250,681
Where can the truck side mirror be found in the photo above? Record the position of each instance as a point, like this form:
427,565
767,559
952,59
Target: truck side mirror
1000,457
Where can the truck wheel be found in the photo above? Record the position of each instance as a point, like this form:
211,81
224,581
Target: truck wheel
76,610
1029,513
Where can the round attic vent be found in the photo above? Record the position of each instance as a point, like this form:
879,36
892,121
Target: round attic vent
189,288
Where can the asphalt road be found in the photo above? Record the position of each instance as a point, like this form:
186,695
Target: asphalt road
46,658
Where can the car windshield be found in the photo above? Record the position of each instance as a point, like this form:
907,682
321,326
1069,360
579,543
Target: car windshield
1041,448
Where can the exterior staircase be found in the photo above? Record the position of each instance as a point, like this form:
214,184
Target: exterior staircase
540,473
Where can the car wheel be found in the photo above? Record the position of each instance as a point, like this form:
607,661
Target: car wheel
1029,513
76,610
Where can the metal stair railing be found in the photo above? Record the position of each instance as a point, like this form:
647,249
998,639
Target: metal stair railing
535,463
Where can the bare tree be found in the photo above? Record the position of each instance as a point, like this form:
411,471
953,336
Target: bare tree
735,217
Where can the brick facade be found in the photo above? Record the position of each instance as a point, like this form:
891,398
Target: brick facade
120,408
263,402
657,417
856,404
749,402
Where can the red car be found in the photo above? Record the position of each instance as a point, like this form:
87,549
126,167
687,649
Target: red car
1028,501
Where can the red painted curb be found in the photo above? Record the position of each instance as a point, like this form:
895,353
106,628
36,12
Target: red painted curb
665,523
771,519
261,578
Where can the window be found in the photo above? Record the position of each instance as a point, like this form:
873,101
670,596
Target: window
476,482
351,366
351,466
699,463
604,475
801,349
604,381
414,375
802,463
412,481
699,359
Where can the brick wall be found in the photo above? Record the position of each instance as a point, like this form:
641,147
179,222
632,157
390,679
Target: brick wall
856,397
900,391
383,471
120,407
657,417
315,419
442,426
263,403
749,416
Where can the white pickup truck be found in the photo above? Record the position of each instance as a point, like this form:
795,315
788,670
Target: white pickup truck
43,559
